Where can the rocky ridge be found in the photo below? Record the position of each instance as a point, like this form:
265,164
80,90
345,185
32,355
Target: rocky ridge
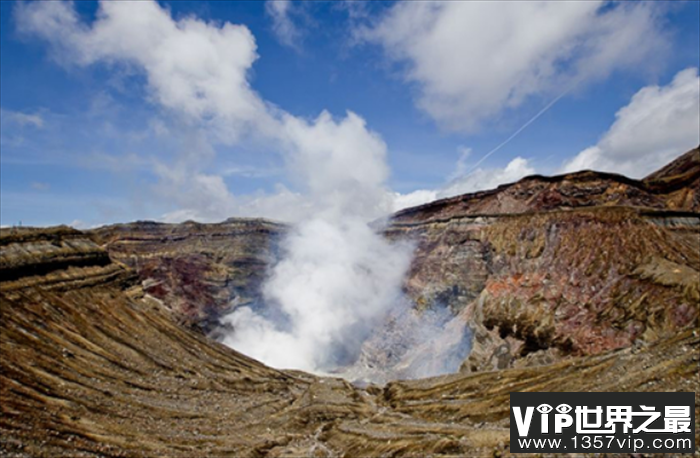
674,187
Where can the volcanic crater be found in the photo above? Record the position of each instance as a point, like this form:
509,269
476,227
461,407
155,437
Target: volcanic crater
580,282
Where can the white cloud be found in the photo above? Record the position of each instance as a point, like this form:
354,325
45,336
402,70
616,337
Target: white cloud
473,60
21,119
198,71
413,199
659,123
467,182
483,179
195,69
282,24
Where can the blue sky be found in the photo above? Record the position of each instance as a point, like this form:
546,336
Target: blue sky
94,129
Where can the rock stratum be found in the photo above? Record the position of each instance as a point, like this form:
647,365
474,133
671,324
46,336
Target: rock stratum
584,282
198,271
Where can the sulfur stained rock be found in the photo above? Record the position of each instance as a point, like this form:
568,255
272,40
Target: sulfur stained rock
579,281
573,265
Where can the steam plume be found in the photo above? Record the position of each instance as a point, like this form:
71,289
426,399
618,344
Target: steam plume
337,277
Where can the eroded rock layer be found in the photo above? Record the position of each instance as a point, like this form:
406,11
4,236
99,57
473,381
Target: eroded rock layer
540,286
198,271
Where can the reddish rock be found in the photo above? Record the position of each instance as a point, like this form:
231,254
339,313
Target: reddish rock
199,271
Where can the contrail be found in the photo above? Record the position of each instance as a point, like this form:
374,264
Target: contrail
523,127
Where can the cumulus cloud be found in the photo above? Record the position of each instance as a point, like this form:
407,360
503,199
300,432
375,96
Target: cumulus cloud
659,123
282,24
413,199
466,181
482,179
473,60
199,73
196,69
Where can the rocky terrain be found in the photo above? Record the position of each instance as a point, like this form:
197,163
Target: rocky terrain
198,271
583,282
534,288
577,264
93,367
674,187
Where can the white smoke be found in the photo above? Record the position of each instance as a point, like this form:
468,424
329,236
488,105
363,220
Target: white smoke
411,343
337,276
334,283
